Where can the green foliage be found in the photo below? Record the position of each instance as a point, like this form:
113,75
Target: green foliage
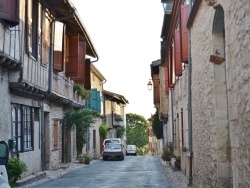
81,120
136,130
15,167
118,119
84,94
157,126
140,150
120,131
168,153
103,130
184,149
85,159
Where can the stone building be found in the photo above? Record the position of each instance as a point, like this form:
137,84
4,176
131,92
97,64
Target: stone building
94,141
220,37
206,55
43,50
115,113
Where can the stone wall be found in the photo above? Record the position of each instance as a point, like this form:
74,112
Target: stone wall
208,171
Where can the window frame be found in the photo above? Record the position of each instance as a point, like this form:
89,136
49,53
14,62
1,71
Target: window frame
22,127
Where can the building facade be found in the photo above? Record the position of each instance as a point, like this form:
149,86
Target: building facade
43,54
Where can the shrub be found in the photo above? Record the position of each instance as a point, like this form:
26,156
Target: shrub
168,153
15,167
120,131
86,159
103,130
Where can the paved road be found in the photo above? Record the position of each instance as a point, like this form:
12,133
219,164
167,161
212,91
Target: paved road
133,172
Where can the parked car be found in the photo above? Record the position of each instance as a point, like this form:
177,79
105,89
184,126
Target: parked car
4,155
131,150
113,151
111,140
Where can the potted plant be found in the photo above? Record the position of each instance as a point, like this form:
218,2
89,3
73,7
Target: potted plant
177,163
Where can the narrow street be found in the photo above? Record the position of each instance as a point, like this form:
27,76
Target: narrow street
140,171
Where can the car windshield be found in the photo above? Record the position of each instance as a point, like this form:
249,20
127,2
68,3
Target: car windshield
131,147
115,146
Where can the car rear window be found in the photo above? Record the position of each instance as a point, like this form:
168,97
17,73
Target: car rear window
115,146
131,147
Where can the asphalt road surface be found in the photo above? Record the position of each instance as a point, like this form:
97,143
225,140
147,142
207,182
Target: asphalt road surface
133,172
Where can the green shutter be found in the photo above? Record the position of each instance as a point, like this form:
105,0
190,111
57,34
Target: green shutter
98,102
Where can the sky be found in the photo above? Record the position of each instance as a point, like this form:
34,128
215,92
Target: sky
126,36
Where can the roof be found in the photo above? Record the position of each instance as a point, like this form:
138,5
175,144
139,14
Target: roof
115,97
155,67
97,73
65,12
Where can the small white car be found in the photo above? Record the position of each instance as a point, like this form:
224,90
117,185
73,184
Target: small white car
111,140
113,151
4,155
131,150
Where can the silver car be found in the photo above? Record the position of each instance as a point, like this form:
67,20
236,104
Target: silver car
131,150
113,151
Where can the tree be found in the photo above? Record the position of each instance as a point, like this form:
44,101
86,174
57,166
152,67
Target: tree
81,120
157,126
136,130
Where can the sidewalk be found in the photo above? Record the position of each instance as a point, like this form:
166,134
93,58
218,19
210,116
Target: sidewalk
176,178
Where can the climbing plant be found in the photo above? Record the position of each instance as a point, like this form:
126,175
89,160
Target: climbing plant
120,131
157,126
84,94
81,120
103,130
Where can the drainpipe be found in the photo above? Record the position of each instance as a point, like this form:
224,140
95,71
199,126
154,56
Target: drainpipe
49,93
172,114
190,141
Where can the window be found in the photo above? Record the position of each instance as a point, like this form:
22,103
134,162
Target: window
37,31
22,127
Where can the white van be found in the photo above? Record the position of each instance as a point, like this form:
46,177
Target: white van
4,155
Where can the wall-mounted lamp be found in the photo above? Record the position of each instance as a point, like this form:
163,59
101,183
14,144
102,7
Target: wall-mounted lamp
167,6
150,84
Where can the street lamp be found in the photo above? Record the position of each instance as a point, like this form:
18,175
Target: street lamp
150,84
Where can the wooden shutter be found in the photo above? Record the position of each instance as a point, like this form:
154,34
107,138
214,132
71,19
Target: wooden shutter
72,56
39,32
177,47
9,11
166,81
29,31
58,46
87,83
170,68
45,38
184,32
98,102
94,100
55,133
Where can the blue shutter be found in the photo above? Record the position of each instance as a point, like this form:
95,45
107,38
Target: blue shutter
98,102
88,102
94,100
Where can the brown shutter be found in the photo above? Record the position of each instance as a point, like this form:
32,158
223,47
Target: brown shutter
9,11
29,25
55,133
58,46
45,38
184,32
170,68
39,32
87,83
177,47
72,56
166,81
